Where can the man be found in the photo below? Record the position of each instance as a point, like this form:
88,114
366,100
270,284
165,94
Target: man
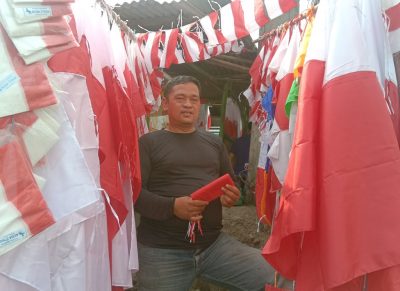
175,162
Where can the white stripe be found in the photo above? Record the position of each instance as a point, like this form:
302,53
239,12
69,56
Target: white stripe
147,51
287,64
249,16
193,48
163,56
394,37
273,8
227,23
209,31
386,4
12,27
279,54
11,223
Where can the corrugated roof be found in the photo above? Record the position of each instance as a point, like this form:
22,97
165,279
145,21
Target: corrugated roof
153,15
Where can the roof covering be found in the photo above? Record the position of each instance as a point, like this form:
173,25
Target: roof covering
213,73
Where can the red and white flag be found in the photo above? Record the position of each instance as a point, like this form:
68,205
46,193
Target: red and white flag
22,87
392,10
344,169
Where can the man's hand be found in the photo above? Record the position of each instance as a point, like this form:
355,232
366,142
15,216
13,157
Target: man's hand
231,195
188,209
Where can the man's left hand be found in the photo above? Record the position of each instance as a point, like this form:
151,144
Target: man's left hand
231,195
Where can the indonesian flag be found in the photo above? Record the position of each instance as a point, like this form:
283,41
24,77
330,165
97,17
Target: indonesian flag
392,10
339,207
276,8
29,12
193,46
22,87
241,18
170,39
23,209
233,120
280,148
55,25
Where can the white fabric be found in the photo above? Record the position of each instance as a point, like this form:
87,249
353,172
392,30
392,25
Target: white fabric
279,154
74,95
70,255
91,23
121,276
69,184
208,29
119,57
287,64
30,12
249,16
14,29
13,229
12,96
273,8
279,54
227,23
39,138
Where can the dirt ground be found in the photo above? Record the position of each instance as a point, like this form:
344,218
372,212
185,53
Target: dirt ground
240,222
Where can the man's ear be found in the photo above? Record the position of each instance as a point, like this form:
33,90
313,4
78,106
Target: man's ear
164,103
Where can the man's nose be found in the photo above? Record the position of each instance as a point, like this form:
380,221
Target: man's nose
187,102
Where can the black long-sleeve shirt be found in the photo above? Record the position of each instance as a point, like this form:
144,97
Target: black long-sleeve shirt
175,165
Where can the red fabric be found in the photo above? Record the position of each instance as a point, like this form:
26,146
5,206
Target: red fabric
260,13
212,190
326,232
280,94
21,188
36,86
265,199
124,130
77,60
238,19
392,98
394,16
287,5
170,54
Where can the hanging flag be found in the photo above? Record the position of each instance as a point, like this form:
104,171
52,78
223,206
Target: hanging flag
340,176
22,87
392,8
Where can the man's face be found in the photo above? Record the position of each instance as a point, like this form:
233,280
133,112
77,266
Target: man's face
183,105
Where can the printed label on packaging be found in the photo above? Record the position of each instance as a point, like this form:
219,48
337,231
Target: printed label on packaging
13,237
7,81
37,11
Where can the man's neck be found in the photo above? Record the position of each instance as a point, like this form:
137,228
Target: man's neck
180,129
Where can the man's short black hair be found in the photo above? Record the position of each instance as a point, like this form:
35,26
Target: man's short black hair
179,80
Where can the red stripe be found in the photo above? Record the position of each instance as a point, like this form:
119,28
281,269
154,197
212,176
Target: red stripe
214,18
172,42
186,53
155,59
238,19
38,92
58,10
57,25
394,15
21,188
287,5
281,93
260,13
